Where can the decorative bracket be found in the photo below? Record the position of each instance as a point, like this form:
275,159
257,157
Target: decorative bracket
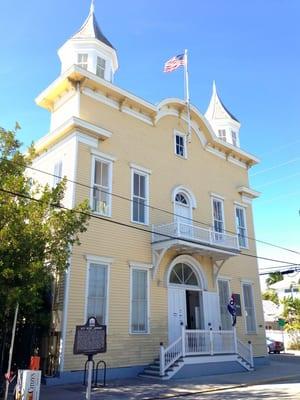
216,269
157,256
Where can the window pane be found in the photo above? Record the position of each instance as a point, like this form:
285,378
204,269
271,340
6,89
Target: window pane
139,313
142,186
249,308
136,184
97,288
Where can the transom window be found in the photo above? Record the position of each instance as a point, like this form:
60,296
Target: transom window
181,198
82,60
180,145
183,274
100,68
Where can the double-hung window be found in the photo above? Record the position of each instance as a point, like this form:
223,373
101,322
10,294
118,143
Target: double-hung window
57,173
218,216
180,145
97,291
224,297
140,197
100,67
241,226
102,186
82,60
249,307
139,300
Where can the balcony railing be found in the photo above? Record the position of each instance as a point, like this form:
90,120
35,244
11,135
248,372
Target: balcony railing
206,236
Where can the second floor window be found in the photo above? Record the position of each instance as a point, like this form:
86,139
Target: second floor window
82,60
102,187
241,226
139,197
218,215
100,69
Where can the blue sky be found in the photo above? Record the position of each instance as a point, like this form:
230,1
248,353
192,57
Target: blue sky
251,48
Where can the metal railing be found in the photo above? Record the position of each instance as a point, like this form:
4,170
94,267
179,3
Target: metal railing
181,230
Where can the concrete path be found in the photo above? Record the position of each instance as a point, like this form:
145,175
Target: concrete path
281,367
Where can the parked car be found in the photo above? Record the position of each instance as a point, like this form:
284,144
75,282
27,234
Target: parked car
274,346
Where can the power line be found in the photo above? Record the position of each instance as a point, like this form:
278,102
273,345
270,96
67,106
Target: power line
275,166
138,228
146,205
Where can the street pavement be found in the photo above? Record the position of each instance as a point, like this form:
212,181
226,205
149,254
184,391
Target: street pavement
280,378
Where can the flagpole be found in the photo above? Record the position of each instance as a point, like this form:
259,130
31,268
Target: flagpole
187,93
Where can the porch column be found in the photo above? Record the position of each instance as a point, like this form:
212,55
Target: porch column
183,339
211,340
235,340
161,359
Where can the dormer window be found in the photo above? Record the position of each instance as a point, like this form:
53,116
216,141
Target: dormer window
100,68
222,134
180,145
234,138
82,60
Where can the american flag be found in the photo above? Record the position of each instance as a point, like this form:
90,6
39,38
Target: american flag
174,63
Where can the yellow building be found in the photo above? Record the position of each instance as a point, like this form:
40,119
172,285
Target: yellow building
171,237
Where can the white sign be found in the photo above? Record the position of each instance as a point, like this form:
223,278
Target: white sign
28,385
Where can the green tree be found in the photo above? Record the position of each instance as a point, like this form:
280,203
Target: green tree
270,295
273,278
36,236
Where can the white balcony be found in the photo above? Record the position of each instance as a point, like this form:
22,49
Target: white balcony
189,238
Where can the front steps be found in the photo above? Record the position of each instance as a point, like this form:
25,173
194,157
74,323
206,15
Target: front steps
153,369
233,363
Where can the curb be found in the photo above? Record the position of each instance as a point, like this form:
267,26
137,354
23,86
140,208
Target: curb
223,388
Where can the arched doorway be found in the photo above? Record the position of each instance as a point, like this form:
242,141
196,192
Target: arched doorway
185,301
182,208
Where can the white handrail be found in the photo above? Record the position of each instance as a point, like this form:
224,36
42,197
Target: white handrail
169,355
245,351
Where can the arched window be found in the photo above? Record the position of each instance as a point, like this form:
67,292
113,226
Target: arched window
183,274
181,199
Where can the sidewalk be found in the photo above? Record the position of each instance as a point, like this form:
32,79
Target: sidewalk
281,367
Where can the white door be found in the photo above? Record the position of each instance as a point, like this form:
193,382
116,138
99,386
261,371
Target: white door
177,312
183,214
211,311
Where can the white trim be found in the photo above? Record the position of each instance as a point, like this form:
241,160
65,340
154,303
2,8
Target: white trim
147,191
237,203
68,272
244,190
138,115
137,264
217,196
108,266
85,139
241,207
99,259
195,265
237,162
251,284
187,192
110,174
142,267
183,136
216,152
103,156
139,168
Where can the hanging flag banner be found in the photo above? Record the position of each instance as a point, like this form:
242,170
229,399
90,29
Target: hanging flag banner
232,310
